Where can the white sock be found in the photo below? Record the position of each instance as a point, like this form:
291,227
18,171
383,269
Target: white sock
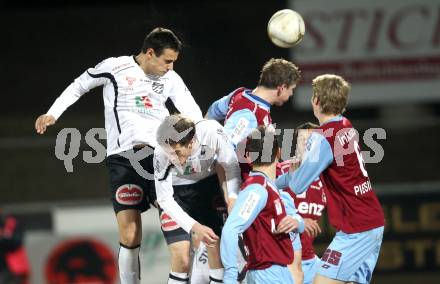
200,268
178,278
216,275
129,266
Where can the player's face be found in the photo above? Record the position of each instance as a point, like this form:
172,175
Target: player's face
179,153
301,142
160,65
284,93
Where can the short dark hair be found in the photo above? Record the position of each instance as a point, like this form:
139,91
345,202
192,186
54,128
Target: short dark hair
278,71
175,129
262,141
305,125
160,39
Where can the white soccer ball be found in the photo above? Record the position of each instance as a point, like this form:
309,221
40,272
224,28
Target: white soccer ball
286,28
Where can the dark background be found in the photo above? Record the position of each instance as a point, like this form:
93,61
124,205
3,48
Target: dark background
49,43
46,44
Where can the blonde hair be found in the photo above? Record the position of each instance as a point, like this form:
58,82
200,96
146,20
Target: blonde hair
331,92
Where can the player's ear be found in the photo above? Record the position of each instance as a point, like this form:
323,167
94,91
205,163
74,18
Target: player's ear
280,88
149,52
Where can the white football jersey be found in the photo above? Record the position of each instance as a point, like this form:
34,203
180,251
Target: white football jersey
134,103
211,147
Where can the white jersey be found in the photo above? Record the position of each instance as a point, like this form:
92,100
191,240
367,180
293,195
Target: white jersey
134,103
211,146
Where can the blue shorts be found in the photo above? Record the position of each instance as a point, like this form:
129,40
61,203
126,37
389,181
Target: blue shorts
296,241
309,267
352,257
276,274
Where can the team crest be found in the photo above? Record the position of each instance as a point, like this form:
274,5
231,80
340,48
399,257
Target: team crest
130,80
157,87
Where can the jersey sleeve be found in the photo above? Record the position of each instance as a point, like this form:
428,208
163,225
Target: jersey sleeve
239,125
183,100
289,204
165,193
227,158
318,157
249,204
218,109
93,77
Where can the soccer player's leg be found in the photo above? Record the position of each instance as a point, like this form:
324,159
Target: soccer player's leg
199,267
350,257
130,195
274,274
212,212
295,267
178,242
129,225
309,268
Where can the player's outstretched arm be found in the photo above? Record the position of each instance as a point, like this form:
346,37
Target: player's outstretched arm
316,160
43,121
205,234
293,222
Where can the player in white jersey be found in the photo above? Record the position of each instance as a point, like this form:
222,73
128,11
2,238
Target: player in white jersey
135,89
188,190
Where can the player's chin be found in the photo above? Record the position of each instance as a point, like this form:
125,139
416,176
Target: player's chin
280,103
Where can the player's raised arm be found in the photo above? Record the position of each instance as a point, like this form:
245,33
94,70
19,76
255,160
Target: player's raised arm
43,121
249,204
90,79
183,100
316,160
218,109
239,125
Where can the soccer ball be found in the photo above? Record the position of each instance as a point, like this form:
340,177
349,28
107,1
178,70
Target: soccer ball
286,28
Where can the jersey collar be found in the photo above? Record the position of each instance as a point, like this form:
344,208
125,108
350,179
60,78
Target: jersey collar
337,118
256,99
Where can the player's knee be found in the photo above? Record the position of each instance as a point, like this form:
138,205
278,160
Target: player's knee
130,235
180,260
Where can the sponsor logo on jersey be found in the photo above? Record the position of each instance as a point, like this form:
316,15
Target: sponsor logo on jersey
157,87
129,194
167,223
249,205
143,101
117,67
310,208
239,130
